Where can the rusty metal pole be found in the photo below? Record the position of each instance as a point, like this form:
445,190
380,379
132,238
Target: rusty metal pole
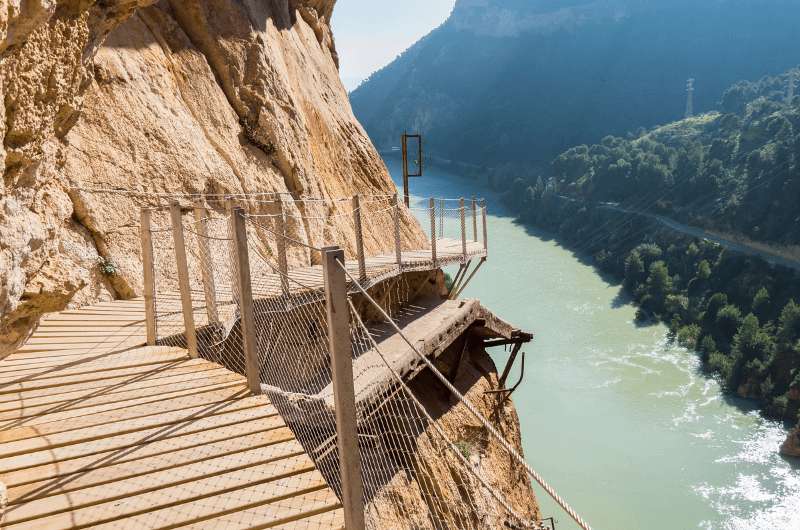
406,194
343,387
398,250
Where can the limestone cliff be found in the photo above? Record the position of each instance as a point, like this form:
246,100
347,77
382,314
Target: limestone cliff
488,459
195,96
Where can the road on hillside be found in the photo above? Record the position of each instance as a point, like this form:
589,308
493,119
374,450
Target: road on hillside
769,257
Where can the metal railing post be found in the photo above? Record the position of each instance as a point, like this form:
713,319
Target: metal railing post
398,250
362,262
280,234
475,219
432,206
463,214
485,231
343,387
230,204
252,366
183,278
442,210
209,288
149,276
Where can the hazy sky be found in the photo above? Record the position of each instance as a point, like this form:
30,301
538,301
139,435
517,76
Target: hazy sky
371,33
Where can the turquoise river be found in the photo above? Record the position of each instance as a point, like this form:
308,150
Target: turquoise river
619,420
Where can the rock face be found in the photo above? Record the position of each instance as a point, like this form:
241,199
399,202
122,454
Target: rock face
791,447
193,96
46,50
403,503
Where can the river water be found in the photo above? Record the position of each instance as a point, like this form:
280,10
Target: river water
619,420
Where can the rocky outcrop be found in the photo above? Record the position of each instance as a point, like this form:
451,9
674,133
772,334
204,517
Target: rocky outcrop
407,504
182,96
46,257
791,447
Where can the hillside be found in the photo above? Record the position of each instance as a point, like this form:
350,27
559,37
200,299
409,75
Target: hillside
509,84
733,171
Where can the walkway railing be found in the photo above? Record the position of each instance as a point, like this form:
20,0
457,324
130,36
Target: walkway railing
308,336
199,240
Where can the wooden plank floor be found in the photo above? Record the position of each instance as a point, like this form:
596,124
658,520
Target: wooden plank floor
98,431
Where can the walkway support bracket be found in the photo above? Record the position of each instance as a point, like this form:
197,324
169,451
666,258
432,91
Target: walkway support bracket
464,283
252,366
149,275
183,278
209,288
352,495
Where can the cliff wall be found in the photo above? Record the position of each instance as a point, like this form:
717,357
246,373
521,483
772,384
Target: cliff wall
194,96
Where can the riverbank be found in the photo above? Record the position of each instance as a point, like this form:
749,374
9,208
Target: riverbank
606,405
737,311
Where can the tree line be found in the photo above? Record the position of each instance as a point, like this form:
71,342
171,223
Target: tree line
734,170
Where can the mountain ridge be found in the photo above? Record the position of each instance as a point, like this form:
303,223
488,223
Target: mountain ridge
520,100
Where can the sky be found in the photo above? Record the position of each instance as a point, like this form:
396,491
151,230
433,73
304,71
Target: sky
371,33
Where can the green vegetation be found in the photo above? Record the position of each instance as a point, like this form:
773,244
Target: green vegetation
465,448
736,171
106,266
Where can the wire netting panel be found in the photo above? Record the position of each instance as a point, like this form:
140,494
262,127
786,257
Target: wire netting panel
169,315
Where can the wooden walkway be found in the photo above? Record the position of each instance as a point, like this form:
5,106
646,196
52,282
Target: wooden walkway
97,431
